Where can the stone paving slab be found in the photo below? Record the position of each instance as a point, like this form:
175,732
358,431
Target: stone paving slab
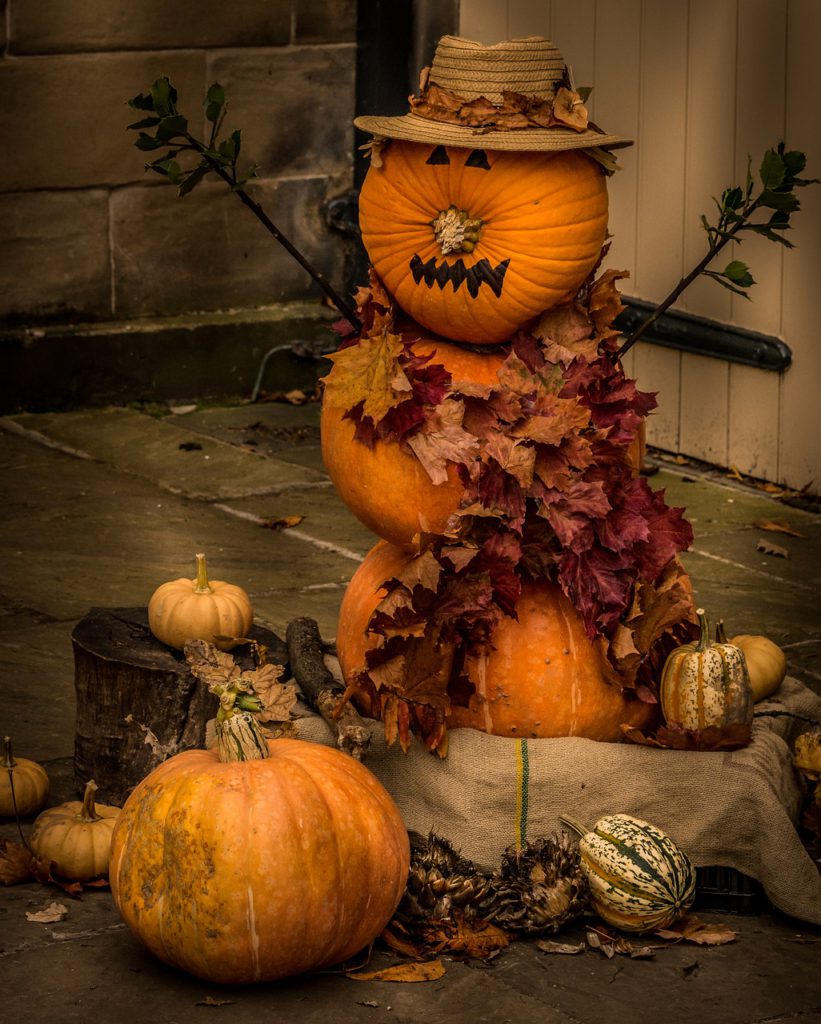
148,447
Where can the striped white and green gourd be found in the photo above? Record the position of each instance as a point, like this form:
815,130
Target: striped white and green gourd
706,684
639,879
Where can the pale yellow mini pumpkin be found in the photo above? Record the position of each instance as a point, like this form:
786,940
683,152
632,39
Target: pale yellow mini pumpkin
766,662
76,837
199,609
30,782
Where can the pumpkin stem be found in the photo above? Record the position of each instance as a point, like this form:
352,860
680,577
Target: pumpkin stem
88,812
240,738
456,230
721,636
704,640
8,757
202,586
573,824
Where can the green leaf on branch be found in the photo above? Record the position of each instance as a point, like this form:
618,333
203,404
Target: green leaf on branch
739,273
164,96
141,102
725,282
171,127
772,170
148,142
786,202
214,102
147,122
190,182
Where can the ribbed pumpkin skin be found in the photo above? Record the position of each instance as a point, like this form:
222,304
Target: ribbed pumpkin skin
386,487
544,212
705,688
542,679
176,613
639,879
766,663
79,849
31,786
256,870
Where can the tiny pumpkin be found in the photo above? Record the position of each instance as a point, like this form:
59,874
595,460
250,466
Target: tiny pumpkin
766,662
200,609
807,754
639,878
258,859
76,837
705,685
24,784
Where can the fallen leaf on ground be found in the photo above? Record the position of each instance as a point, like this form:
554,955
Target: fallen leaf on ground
703,933
734,473
53,912
282,523
190,446
429,970
44,873
295,397
771,549
15,863
211,1001
565,948
367,1002
778,526
688,970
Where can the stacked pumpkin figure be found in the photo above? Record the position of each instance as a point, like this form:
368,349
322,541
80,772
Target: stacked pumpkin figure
479,422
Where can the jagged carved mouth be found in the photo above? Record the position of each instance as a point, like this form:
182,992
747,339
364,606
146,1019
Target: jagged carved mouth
482,272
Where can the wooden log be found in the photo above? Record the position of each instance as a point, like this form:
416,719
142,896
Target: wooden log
322,691
137,703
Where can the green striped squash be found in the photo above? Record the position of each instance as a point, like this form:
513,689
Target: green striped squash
706,684
639,879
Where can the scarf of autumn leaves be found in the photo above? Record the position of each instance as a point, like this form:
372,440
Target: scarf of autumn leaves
550,494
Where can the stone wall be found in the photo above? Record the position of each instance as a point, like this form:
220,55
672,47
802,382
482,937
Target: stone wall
86,234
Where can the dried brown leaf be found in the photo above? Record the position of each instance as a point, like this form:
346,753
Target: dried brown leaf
53,912
768,548
211,1001
778,526
296,397
16,864
460,938
566,331
282,522
692,929
210,665
564,948
429,970
443,440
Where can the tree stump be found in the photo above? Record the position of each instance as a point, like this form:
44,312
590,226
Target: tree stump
137,703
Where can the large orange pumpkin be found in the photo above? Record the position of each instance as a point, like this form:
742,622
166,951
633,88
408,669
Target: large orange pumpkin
542,679
386,487
253,870
474,244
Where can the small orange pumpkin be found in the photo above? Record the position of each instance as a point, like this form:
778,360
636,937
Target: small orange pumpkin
543,677
200,609
30,784
474,244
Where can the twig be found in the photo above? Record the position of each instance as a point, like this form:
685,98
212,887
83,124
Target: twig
321,689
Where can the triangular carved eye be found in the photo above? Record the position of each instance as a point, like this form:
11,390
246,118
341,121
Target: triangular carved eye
438,156
477,158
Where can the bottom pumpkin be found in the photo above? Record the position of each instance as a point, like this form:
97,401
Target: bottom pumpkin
542,679
247,871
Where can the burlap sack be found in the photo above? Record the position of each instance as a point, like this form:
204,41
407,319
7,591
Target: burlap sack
733,809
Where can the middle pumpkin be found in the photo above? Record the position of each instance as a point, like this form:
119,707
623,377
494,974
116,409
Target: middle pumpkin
474,244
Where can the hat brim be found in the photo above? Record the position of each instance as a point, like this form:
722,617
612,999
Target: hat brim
411,128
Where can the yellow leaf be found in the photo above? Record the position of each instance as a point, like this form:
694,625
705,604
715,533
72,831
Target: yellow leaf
369,372
430,970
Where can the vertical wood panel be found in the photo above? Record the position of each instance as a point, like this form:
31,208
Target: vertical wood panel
661,152
762,29
529,18
483,20
753,423
800,450
658,369
574,32
704,410
618,54
710,142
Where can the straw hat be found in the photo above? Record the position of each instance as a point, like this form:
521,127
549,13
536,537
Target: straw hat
515,95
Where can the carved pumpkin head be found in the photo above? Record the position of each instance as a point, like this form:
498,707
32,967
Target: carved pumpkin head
474,243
